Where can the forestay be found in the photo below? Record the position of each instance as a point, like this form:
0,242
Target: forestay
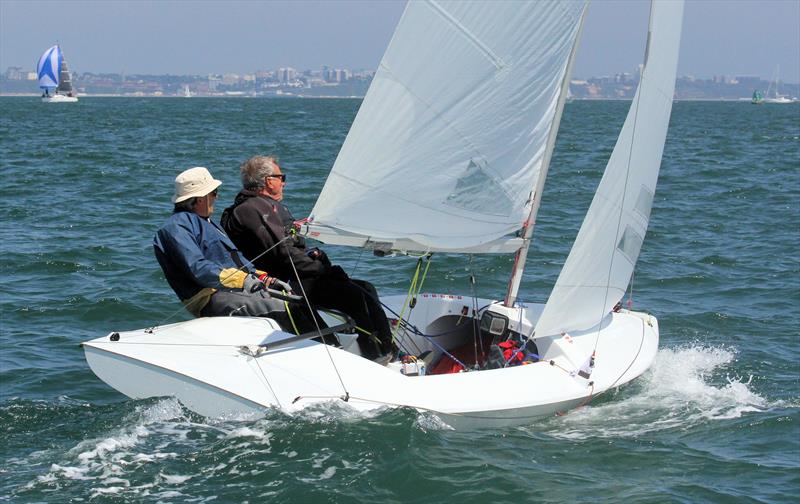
599,267
49,67
450,138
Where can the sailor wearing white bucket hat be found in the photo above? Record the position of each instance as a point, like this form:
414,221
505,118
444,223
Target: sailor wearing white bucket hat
203,266
194,182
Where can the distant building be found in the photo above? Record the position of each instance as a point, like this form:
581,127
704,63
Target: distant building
230,79
749,80
15,73
286,75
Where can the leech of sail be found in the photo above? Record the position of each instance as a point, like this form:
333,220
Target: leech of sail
445,149
536,195
599,266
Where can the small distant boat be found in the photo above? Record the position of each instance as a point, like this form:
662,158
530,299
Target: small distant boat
777,97
187,93
54,74
758,98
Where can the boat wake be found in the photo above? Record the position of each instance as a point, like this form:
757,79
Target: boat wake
686,386
147,455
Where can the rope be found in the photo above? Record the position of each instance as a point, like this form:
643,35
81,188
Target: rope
269,386
291,319
358,261
343,319
414,290
408,296
316,323
475,331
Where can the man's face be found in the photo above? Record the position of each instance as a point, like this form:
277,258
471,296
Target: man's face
275,185
205,204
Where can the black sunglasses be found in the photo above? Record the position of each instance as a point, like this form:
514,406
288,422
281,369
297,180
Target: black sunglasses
282,176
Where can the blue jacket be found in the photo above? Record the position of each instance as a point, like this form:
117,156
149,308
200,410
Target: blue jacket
192,251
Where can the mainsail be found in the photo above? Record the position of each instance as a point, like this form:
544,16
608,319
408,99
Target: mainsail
451,136
65,83
49,67
601,262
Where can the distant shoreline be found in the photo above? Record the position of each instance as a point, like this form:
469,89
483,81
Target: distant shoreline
306,97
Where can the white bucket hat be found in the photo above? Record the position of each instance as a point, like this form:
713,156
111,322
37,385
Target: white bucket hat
194,182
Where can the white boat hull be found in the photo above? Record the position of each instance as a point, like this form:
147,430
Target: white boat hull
209,365
58,98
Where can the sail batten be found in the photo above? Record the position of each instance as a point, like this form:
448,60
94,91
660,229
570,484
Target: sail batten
451,135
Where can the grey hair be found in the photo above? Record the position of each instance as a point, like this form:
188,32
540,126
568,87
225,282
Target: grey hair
186,205
255,170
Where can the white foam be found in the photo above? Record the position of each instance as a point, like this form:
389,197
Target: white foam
96,492
685,386
174,479
249,432
328,473
336,410
106,459
69,472
427,421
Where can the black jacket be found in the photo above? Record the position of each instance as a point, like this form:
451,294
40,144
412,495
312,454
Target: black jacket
256,223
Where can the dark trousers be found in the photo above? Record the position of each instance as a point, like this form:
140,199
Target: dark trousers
257,304
359,300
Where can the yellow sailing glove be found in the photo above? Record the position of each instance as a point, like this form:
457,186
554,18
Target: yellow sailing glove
233,278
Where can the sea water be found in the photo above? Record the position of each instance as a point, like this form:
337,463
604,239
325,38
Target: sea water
716,419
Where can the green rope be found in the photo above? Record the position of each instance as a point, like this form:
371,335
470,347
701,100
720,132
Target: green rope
410,294
359,329
291,319
424,274
414,290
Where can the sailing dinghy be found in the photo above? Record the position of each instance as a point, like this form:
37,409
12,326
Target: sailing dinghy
54,74
449,153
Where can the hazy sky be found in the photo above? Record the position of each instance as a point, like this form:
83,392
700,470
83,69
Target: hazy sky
731,37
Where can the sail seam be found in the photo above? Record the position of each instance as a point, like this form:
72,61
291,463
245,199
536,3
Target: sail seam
490,55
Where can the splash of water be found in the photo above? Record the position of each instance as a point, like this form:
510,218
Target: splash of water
686,386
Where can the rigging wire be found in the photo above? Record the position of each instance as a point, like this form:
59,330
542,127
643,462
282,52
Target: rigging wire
475,332
358,260
269,385
316,323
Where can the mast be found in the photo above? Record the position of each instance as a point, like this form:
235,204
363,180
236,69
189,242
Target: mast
527,229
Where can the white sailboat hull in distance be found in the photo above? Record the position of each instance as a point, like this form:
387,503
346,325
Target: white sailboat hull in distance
214,367
57,98
779,99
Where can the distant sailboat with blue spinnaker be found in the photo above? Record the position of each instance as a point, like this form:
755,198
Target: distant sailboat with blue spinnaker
53,74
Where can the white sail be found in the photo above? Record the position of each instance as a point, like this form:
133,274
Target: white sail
49,67
599,267
451,136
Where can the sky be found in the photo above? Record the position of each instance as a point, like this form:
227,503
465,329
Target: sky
720,37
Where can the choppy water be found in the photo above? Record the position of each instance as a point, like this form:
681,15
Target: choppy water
717,419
